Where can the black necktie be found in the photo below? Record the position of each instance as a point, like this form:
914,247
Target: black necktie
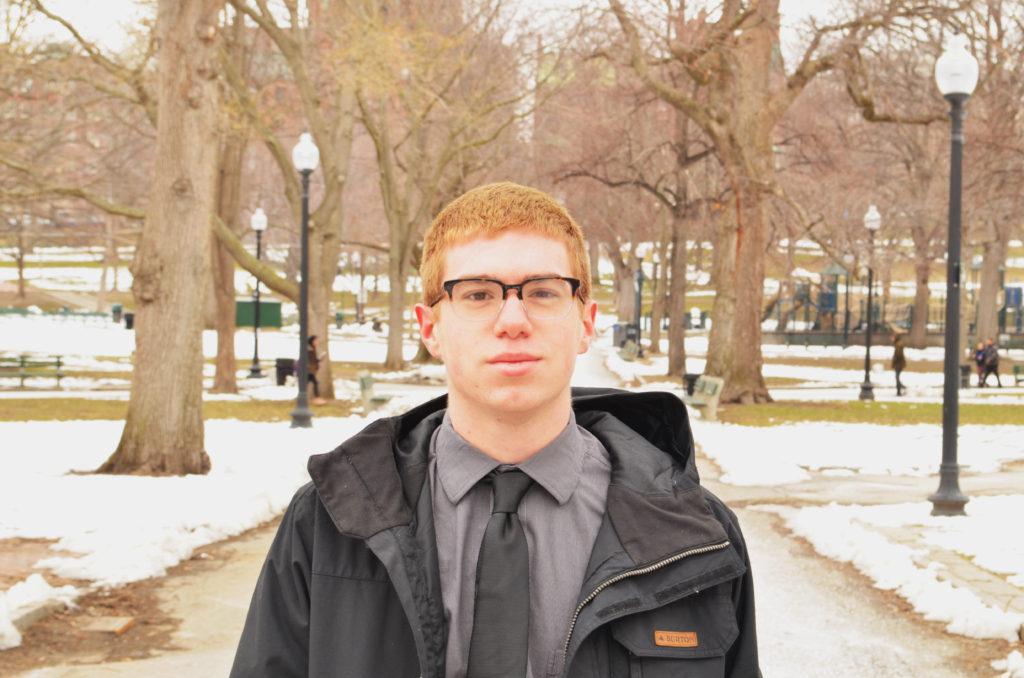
501,612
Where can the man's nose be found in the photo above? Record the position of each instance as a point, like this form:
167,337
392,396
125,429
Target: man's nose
512,317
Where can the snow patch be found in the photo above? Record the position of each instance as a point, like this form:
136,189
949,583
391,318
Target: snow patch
23,598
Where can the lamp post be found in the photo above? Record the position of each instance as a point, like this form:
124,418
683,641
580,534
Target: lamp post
258,221
306,157
956,74
639,308
848,265
872,222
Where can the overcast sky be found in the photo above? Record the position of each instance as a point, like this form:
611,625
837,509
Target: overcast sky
104,21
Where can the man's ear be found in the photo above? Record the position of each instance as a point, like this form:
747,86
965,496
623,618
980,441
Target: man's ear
428,329
587,335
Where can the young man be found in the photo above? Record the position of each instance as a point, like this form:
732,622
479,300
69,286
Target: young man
515,527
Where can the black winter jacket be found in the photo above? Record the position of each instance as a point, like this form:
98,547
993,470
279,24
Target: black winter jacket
351,587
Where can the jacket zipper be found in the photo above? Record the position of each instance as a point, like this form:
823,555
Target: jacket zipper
625,575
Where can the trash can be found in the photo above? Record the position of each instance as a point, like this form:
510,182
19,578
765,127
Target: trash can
965,376
116,311
129,321
618,335
339,318
633,333
283,367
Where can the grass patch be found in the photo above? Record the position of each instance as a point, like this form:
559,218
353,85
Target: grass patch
853,363
859,412
69,409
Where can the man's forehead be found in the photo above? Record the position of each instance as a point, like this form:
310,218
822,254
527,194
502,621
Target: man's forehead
520,254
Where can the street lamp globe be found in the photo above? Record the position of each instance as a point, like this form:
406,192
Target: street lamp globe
258,221
305,155
872,219
956,71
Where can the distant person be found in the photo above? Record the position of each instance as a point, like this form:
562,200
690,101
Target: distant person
991,363
899,361
979,362
313,356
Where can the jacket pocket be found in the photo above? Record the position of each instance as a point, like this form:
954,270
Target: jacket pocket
688,638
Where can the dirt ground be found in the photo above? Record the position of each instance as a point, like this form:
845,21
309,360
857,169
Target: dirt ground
178,614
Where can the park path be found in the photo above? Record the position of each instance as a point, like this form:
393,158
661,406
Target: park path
814,619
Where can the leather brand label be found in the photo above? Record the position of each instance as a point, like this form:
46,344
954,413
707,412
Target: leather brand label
675,638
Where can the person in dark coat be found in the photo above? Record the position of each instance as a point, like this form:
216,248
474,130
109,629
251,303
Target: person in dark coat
899,361
515,526
979,362
990,363
313,356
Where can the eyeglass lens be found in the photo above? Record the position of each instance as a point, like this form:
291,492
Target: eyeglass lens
544,299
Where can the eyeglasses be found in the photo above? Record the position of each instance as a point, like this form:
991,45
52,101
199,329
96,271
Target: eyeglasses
481,299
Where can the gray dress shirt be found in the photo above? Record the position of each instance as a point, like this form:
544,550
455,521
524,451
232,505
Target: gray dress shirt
560,513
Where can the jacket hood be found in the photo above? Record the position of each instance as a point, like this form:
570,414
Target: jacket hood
372,480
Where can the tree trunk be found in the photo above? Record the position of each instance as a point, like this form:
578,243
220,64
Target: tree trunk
595,263
993,257
109,260
395,359
325,248
21,262
163,431
660,298
229,198
919,323
723,309
677,299
625,287
659,283
744,382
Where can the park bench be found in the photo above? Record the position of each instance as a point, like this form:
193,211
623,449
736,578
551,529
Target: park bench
370,399
1018,374
629,351
706,393
23,367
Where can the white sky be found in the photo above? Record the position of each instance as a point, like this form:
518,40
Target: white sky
104,21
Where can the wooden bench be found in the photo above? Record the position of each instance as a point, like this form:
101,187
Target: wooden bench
629,351
706,393
1018,374
370,399
23,367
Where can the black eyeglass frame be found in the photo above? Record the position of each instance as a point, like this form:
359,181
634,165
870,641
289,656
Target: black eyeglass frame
449,286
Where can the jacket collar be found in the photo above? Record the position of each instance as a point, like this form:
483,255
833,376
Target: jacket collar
370,482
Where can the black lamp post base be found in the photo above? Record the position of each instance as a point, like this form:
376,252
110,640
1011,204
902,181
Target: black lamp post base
302,416
951,505
255,372
948,500
867,391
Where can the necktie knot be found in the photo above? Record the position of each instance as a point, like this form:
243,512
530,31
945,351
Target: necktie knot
509,488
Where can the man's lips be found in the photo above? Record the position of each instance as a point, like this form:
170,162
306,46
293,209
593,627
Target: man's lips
513,358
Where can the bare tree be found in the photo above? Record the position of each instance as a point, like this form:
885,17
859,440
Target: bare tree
432,106
163,432
742,95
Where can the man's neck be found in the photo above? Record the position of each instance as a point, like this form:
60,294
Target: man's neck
509,437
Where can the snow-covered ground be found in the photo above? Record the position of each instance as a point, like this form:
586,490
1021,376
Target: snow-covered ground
776,455
851,534
79,339
110,530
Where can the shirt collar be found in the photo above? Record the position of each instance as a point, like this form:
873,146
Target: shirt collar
555,467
